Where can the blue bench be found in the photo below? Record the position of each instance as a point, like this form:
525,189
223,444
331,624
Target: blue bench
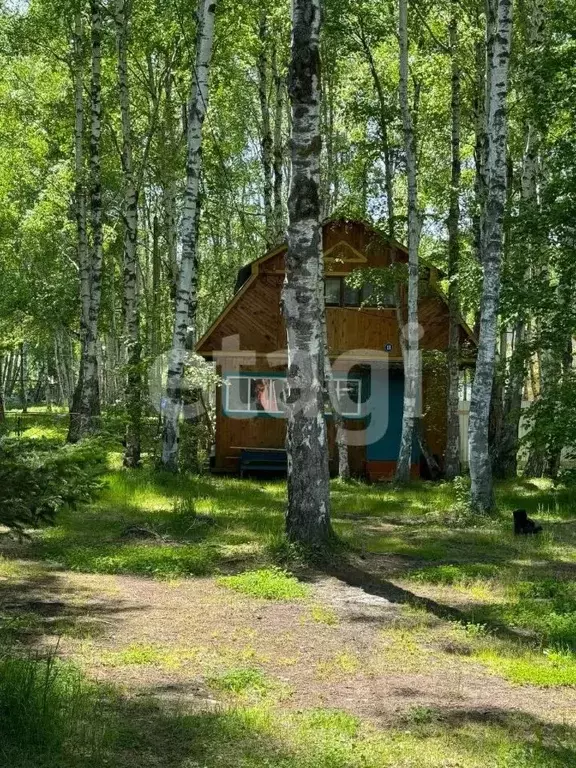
262,460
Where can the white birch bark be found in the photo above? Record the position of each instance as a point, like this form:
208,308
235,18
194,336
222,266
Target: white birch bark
88,401
266,144
308,511
83,255
529,207
411,356
133,384
185,310
482,494
2,408
278,153
452,457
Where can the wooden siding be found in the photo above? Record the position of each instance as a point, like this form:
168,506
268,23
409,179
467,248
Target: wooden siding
233,434
253,323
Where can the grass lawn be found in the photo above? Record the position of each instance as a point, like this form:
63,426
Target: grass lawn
181,634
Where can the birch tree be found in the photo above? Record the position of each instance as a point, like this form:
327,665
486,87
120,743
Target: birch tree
266,142
133,394
278,151
308,511
507,450
452,458
411,358
482,494
86,401
184,332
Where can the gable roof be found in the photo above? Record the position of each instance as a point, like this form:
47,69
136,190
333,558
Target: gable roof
249,272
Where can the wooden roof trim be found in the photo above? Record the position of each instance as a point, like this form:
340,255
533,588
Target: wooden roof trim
359,257
277,249
231,304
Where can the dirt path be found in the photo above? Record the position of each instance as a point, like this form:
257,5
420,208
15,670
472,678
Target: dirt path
341,648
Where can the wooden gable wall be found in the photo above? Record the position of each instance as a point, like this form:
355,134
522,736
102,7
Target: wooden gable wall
254,314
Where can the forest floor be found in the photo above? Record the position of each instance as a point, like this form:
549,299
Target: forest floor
426,644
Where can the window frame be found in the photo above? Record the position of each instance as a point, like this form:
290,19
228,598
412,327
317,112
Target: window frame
340,290
338,380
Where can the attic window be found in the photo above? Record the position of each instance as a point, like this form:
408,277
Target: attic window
337,293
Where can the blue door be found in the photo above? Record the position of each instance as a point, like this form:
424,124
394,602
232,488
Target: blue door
385,417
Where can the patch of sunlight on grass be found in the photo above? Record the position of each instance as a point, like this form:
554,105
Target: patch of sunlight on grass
322,615
241,681
403,649
159,561
338,666
10,569
266,583
462,574
141,654
548,669
45,433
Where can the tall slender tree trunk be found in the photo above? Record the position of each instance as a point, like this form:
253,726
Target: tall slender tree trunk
278,154
383,112
2,380
308,511
23,378
2,406
529,210
81,224
266,143
452,458
86,401
184,332
133,386
411,356
482,492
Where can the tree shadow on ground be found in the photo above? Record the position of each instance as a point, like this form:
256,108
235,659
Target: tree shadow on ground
372,584
40,606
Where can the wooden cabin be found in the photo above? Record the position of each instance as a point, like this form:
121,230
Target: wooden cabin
247,343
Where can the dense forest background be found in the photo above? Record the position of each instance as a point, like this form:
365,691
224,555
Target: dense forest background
134,170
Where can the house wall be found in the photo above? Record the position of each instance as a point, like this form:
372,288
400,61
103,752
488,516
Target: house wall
233,434
253,321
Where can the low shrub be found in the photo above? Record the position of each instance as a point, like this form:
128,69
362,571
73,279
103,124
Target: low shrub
38,477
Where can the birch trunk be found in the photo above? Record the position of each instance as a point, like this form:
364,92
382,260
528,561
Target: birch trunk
23,378
411,358
2,407
266,144
452,458
482,493
185,310
279,225
133,384
529,208
86,405
81,225
308,511
383,124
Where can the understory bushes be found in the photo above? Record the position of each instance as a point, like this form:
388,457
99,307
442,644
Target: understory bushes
40,476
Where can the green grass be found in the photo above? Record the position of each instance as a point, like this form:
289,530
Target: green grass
550,669
232,529
242,680
322,615
49,714
267,584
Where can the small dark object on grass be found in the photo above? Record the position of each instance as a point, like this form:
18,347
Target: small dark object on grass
139,532
523,524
